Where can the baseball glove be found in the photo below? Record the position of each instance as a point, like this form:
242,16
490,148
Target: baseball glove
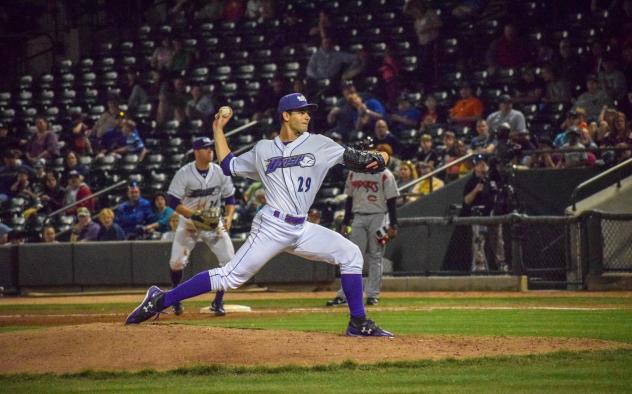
206,219
357,160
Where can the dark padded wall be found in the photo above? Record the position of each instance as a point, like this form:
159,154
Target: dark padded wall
150,262
103,263
8,267
45,264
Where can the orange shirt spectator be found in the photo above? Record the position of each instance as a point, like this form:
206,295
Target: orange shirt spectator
468,109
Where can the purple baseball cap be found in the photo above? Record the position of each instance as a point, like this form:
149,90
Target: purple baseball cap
201,143
294,102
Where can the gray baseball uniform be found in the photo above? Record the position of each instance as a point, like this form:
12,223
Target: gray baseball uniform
369,193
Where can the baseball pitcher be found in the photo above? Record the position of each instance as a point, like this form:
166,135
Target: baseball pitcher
196,193
291,167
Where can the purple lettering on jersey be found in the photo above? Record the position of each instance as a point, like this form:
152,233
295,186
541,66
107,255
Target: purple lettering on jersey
302,160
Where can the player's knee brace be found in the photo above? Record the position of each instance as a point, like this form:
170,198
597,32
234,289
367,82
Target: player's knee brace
351,261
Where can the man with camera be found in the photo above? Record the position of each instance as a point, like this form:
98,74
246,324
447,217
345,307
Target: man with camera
480,197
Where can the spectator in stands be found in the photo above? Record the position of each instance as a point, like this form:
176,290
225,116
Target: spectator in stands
507,114
233,10
4,234
593,61
586,139
612,80
109,231
448,150
406,116
574,159
458,170
22,185
427,23
78,190
162,213
43,144
211,11
48,235
52,196
467,110
126,141
428,185
8,139
313,216
574,118
39,177
134,91
390,76
479,197
426,153
431,114
9,172
173,226
200,106
556,90
508,51
135,213
407,173
80,135
594,99
394,162
162,58
291,32
484,143
545,160
85,229
72,163
355,113
566,63
259,9
521,141
382,136
172,103
327,63
108,119
626,65
530,89
619,136
323,28
181,59
268,98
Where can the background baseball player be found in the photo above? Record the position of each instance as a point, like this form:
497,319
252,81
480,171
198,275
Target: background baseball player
369,197
291,168
196,193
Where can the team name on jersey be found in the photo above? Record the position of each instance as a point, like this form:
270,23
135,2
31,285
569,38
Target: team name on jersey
367,185
302,160
203,192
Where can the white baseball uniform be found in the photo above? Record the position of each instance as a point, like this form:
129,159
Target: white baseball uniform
291,175
196,193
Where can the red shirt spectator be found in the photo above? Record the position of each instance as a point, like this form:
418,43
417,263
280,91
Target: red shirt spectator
507,51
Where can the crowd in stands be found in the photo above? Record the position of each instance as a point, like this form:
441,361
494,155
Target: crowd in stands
428,84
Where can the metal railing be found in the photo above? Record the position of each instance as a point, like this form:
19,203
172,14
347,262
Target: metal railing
435,172
597,177
87,198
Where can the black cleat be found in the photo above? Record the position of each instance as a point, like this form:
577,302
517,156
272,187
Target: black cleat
337,302
366,328
178,309
218,308
151,306
372,301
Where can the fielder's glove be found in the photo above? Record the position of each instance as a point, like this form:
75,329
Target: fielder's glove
357,160
206,219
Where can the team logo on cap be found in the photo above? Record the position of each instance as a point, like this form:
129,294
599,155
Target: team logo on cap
300,97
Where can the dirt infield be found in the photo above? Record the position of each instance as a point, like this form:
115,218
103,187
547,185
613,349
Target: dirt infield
109,346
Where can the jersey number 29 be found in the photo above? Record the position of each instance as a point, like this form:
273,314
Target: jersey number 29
307,182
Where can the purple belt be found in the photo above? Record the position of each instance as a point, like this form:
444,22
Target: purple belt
295,220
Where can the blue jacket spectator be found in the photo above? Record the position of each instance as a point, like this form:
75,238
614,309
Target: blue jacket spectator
109,230
134,214
123,140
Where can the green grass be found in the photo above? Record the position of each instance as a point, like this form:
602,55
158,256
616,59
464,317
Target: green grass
563,372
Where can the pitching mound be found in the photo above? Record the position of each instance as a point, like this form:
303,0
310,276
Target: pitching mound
107,346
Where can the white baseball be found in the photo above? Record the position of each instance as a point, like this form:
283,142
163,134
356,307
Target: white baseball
225,111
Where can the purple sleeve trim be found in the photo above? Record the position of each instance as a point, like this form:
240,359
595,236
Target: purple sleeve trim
172,201
226,164
230,200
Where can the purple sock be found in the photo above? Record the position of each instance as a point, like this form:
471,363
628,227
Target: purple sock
352,287
198,284
219,296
